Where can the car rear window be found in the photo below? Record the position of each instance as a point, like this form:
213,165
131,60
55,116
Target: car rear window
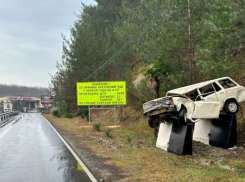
227,83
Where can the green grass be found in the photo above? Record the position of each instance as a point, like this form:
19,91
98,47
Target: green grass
97,127
129,138
109,134
143,161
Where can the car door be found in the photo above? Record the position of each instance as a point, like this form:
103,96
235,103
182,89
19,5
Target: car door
220,93
208,105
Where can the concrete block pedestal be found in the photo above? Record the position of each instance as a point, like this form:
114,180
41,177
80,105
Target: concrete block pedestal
175,138
221,132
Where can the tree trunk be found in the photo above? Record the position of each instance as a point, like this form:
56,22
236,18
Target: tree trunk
156,88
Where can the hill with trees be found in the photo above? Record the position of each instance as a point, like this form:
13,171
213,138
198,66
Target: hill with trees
167,43
18,90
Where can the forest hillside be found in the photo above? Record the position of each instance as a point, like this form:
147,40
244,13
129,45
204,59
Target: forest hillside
18,90
154,46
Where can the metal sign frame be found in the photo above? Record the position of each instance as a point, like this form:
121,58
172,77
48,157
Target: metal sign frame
114,108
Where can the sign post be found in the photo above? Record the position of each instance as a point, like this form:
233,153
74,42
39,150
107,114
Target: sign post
101,93
53,94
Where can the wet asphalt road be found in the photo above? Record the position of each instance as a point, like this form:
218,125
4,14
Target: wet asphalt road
30,151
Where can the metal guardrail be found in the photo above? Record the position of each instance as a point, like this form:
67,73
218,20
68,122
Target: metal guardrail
6,115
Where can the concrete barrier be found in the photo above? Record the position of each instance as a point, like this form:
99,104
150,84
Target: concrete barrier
221,132
175,138
6,116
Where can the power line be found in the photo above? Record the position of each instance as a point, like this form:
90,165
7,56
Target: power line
143,27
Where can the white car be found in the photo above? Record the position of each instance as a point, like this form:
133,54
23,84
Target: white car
203,100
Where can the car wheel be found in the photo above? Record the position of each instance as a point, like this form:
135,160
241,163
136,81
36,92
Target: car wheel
183,116
150,122
153,122
231,107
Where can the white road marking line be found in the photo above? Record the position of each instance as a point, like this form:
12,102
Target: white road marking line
74,154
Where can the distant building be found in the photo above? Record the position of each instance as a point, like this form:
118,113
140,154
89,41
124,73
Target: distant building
7,106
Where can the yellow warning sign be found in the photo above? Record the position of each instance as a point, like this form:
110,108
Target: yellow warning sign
101,93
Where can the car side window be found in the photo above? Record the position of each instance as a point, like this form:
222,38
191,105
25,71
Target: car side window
227,83
192,95
216,87
207,90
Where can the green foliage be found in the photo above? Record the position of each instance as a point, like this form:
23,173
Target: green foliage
129,138
64,107
69,115
97,127
100,32
56,113
109,134
83,112
157,69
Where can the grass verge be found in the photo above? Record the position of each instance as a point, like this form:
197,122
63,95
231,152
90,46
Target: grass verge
132,148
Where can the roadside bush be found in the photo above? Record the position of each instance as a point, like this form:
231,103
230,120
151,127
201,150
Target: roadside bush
83,112
129,138
56,113
97,127
69,115
64,107
109,134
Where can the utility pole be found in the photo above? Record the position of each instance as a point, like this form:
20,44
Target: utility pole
191,48
29,103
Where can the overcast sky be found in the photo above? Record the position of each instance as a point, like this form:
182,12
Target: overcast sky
30,38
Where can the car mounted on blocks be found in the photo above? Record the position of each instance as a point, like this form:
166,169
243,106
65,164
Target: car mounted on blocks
203,100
